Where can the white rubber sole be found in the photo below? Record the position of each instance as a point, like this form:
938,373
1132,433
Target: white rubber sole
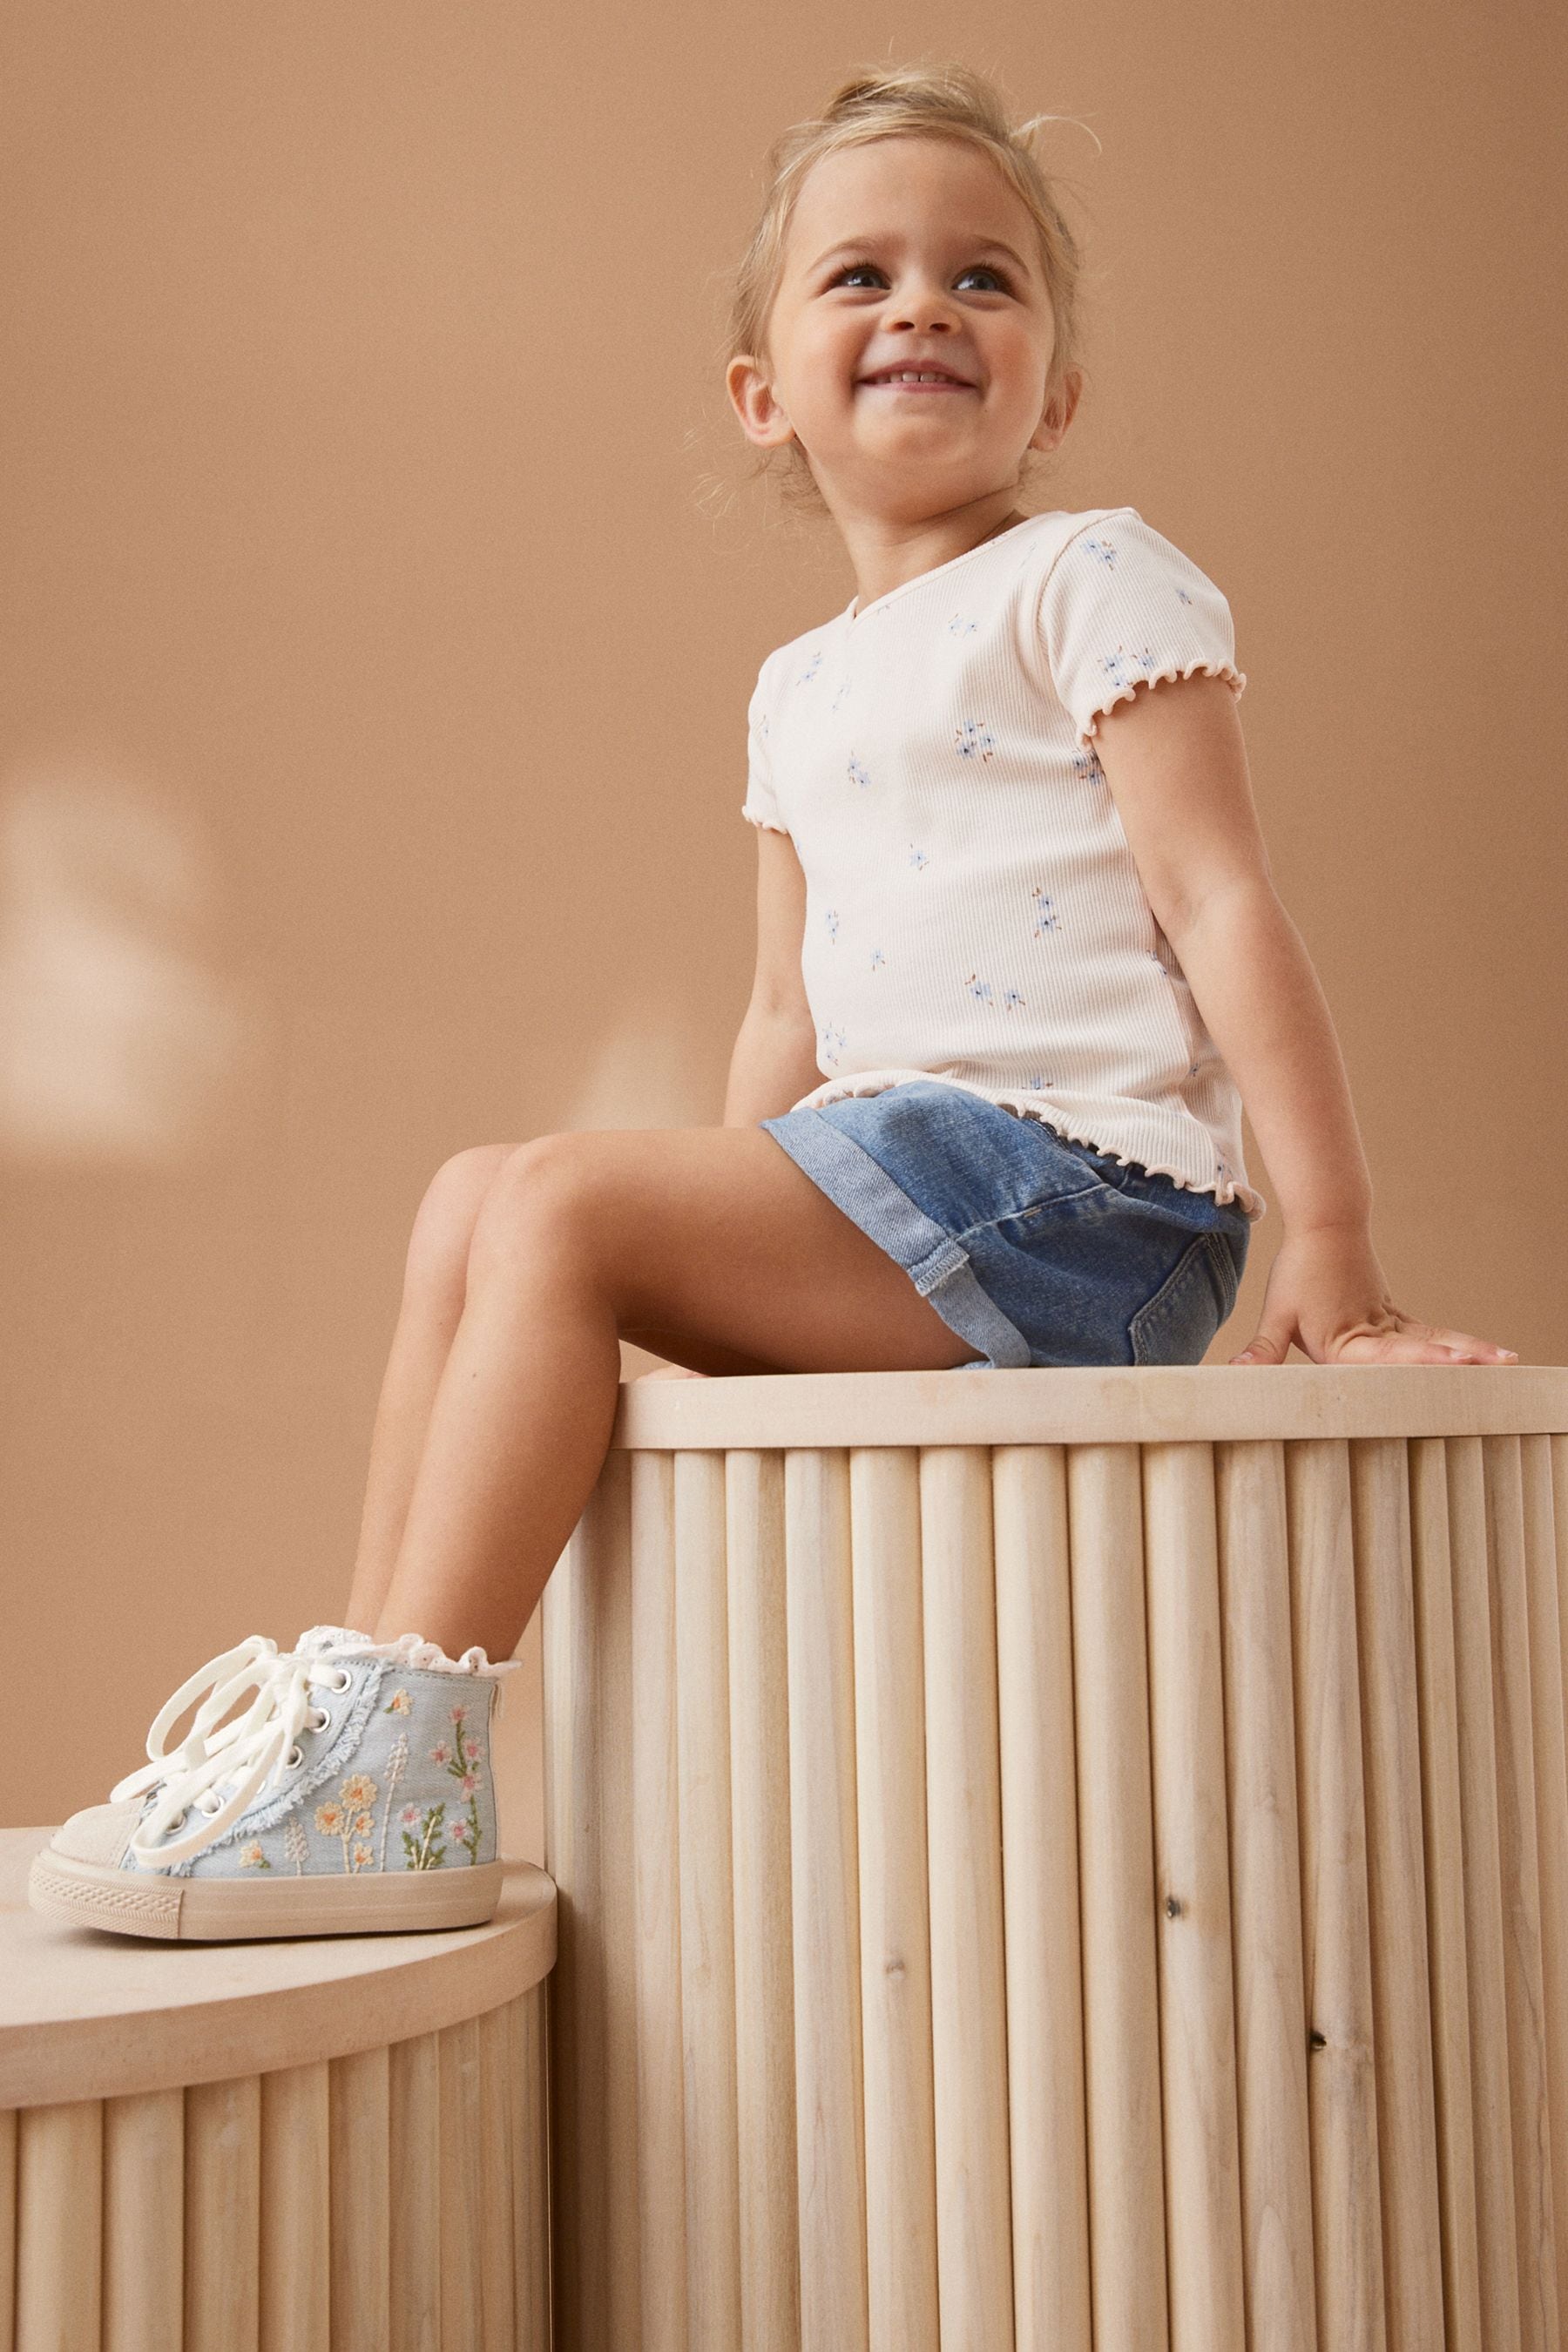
215,1910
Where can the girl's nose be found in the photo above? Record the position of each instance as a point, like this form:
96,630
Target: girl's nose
920,309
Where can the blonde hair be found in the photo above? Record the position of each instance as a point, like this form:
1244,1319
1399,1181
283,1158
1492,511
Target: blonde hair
943,101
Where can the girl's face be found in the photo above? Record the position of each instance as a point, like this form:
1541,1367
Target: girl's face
903,253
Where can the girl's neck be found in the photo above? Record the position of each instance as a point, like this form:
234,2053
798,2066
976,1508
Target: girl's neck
891,566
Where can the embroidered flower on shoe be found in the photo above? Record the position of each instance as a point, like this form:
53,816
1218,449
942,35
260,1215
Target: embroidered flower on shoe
422,1848
351,1816
252,1858
395,1763
400,1703
464,1832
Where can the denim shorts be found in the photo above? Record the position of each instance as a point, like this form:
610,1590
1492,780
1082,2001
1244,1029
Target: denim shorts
1034,1249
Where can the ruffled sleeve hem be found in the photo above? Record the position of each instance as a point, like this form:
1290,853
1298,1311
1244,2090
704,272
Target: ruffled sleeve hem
766,824
1235,678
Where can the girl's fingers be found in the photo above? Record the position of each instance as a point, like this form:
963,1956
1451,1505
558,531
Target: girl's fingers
1472,1351
1417,1347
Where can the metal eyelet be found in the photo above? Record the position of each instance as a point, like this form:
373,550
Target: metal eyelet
202,1806
294,1758
343,1680
177,1823
318,1719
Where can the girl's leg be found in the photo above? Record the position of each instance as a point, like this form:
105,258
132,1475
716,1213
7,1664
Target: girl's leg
707,1243
434,1283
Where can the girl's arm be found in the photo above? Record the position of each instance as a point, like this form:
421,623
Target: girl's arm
774,1059
1176,762
772,1064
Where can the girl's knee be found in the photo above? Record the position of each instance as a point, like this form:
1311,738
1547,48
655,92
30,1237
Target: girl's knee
543,1186
444,1225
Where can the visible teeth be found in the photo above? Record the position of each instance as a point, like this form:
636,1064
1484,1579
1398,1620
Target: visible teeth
908,375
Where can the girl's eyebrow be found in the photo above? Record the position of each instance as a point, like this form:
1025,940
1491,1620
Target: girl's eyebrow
868,243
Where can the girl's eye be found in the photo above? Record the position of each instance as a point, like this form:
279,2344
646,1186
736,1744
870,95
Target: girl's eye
982,268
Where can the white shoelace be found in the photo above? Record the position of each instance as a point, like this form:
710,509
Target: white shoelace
260,1742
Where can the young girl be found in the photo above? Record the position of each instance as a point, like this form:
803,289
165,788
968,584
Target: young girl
1018,949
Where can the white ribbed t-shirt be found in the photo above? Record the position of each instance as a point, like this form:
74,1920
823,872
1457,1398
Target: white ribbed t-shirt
973,912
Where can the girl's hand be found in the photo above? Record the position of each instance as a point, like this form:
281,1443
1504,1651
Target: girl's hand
1326,1292
670,1373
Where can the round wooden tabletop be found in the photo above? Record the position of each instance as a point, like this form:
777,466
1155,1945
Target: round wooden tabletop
85,2014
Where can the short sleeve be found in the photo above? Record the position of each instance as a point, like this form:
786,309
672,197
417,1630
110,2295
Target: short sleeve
1121,605
760,807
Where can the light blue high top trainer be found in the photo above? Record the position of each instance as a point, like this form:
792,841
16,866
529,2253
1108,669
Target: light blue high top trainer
353,1794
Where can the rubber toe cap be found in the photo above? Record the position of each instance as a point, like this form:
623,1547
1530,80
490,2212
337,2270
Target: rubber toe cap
100,1833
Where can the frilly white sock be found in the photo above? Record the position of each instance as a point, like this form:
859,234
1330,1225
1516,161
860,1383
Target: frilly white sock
408,1649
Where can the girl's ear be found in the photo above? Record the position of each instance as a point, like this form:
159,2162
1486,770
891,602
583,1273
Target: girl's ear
1058,413
752,396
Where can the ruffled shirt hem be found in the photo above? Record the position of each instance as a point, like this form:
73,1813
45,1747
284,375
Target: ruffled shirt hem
1026,1104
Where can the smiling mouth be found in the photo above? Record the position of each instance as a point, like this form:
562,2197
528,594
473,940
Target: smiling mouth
908,384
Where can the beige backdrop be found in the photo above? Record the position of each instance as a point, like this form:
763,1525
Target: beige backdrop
383,592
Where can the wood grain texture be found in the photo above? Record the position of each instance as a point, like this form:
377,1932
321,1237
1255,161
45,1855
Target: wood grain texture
896,1961
707,1915
617,2254
359,2197
1116,1860
1448,1961
498,2329
413,2199
531,2166
1524,1989
759,1832
1543,1631
1263,1786
396,2197
963,1828
1090,1863
101,2016
658,2188
1335,1907
223,2215
1397,1892
830,2140
1153,1405
1192,1880
145,2221
1492,2124
1051,2307
457,2186
59,2227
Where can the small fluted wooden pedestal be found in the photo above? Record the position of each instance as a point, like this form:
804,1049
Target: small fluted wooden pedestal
1065,1860
305,2147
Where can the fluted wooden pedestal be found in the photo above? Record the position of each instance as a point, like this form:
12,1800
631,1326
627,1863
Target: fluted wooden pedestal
1065,1859
305,2147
